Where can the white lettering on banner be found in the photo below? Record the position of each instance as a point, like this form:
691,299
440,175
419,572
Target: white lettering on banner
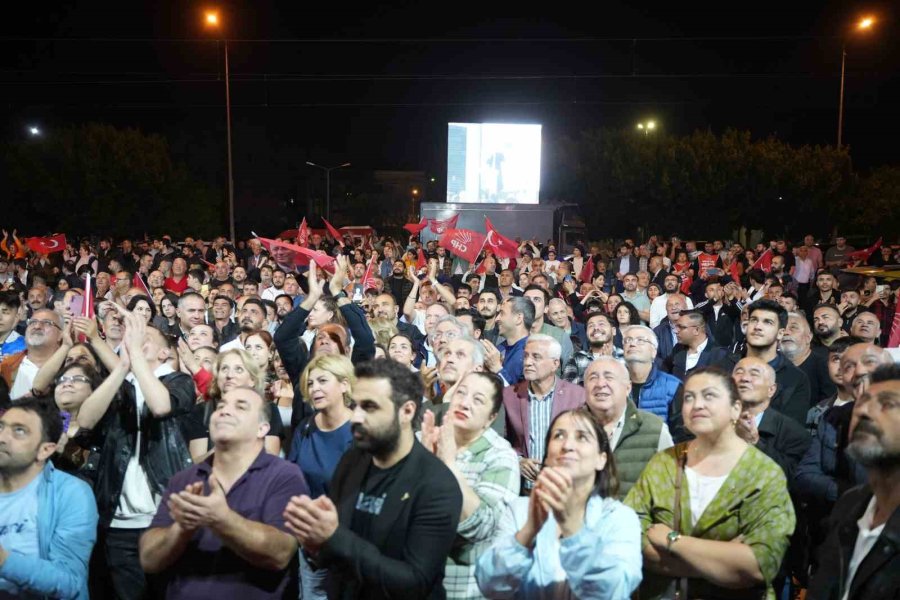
458,245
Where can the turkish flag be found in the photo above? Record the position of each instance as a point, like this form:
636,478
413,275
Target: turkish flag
421,263
501,246
46,245
87,307
444,226
414,228
334,232
764,261
138,282
464,243
303,233
368,280
863,255
288,255
587,272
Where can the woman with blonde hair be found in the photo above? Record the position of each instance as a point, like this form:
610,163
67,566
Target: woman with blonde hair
233,369
320,440
384,330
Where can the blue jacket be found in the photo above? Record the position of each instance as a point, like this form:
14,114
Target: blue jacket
67,530
658,392
14,343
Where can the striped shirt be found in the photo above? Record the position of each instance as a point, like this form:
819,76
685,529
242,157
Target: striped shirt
491,468
539,411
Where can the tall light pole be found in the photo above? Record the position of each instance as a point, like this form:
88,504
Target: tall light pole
863,25
647,127
328,171
212,21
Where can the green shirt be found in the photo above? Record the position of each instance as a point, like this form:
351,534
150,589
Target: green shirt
753,502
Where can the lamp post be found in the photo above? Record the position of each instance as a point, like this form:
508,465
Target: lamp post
863,25
328,171
647,127
212,21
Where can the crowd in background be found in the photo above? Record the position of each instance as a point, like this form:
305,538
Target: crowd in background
674,418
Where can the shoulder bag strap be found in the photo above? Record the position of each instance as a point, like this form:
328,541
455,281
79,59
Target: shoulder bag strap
680,461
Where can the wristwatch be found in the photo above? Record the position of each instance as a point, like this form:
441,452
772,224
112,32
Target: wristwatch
671,538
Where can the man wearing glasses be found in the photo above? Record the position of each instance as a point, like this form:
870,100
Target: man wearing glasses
652,390
42,338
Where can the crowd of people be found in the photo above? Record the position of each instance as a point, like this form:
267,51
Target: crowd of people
665,418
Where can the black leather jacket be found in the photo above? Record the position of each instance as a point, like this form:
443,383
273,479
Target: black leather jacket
163,450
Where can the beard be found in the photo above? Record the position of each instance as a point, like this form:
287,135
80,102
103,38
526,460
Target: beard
379,444
871,453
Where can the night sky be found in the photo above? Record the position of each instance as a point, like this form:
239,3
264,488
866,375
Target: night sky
376,84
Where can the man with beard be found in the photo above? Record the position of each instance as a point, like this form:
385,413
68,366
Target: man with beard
795,345
671,285
253,319
43,337
221,313
385,307
765,327
824,292
390,518
849,308
284,304
601,331
398,285
827,323
826,471
861,557
48,519
488,307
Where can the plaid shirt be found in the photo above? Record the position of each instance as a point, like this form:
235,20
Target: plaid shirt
574,370
491,469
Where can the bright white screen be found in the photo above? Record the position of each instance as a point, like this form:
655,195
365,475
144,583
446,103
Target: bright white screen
493,163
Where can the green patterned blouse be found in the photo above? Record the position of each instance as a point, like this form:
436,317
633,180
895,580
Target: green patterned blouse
753,502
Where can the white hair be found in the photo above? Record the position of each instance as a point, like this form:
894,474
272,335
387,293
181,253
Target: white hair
643,329
555,348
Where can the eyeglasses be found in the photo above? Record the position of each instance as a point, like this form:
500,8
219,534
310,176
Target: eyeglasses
636,341
42,323
450,335
72,379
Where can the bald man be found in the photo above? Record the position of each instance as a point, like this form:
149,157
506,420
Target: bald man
779,437
796,345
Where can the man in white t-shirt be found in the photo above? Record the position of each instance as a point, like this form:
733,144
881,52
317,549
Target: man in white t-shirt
42,338
671,285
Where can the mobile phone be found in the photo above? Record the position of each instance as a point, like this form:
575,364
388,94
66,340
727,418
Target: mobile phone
76,305
879,289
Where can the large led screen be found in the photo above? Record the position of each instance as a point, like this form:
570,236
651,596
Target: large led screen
493,163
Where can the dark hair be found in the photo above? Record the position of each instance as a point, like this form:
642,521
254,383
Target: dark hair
135,299
887,372
756,276
523,306
46,410
696,316
407,337
840,345
87,370
599,313
712,281
606,482
11,299
491,290
196,274
634,318
256,302
824,305
478,322
496,389
406,386
723,375
770,306
540,289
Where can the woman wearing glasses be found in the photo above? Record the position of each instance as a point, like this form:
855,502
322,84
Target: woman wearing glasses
72,387
715,511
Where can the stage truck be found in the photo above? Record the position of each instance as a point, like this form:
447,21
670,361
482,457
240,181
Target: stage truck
561,223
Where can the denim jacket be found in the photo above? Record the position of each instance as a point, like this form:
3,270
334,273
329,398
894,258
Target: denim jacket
67,530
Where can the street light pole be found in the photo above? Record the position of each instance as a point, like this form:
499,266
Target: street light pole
228,129
863,25
328,171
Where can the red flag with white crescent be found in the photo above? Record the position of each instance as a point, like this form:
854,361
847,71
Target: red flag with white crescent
46,245
587,272
138,282
445,225
303,233
863,255
464,243
368,280
500,245
764,261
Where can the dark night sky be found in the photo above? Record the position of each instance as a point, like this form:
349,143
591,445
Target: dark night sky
773,69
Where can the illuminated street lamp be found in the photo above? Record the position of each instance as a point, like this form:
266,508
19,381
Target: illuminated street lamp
212,21
328,171
647,127
34,131
863,25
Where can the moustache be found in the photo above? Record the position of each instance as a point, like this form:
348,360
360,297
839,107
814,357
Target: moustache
867,426
358,428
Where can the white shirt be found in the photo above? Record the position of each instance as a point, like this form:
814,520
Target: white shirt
658,309
664,442
235,344
691,359
702,490
24,379
270,293
865,540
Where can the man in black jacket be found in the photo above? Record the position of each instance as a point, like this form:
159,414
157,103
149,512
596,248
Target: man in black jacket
765,326
390,522
694,348
398,284
860,559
